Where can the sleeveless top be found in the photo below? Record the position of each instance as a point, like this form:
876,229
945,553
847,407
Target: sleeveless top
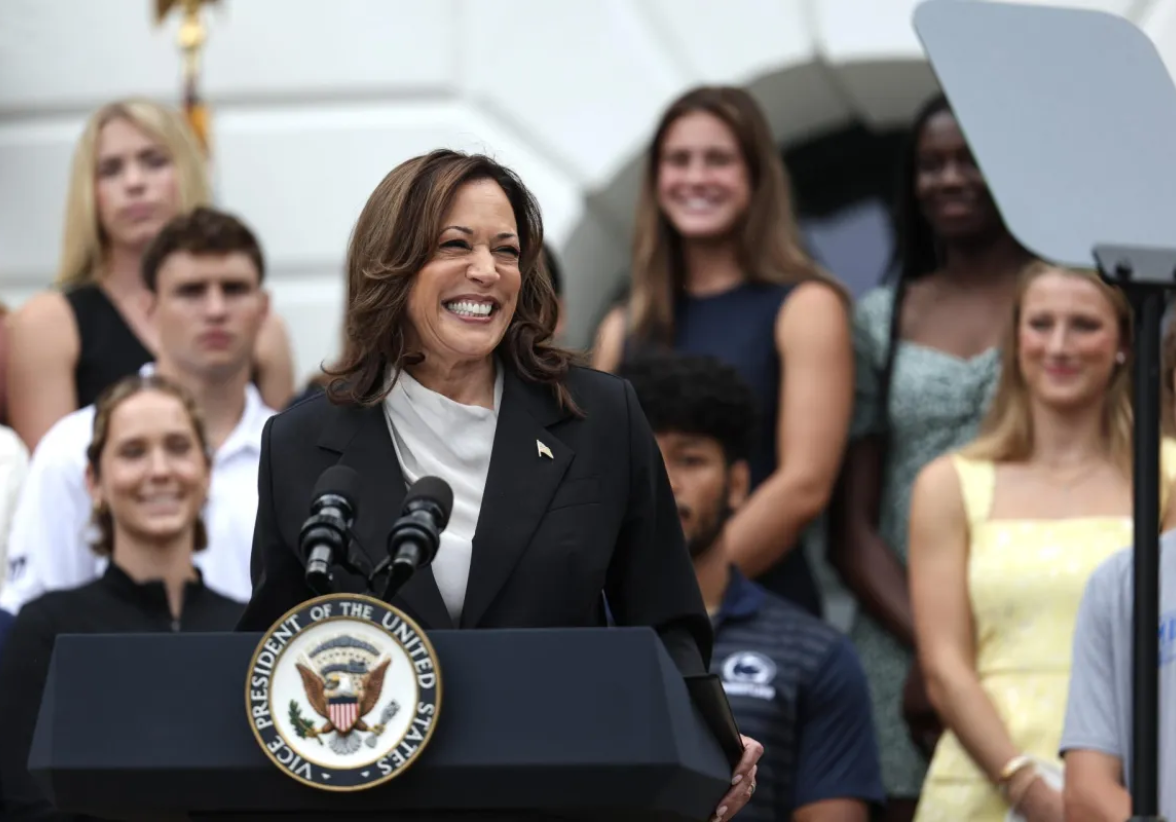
1026,578
108,349
738,327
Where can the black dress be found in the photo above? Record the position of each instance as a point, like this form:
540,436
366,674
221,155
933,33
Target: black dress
108,348
738,326
114,603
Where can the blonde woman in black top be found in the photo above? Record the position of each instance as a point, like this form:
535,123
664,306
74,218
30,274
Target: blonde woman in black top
136,166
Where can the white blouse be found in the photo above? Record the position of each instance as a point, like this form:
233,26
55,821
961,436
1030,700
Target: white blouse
435,436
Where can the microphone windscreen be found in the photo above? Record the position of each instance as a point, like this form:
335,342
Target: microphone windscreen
435,489
339,480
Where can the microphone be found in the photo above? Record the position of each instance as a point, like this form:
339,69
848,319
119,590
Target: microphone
326,533
413,540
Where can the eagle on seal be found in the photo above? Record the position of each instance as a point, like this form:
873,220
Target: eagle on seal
343,690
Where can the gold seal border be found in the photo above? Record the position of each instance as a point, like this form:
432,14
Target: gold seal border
277,730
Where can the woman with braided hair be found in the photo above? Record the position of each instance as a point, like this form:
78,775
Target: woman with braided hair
926,351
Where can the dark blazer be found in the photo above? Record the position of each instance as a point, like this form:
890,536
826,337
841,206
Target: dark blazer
554,532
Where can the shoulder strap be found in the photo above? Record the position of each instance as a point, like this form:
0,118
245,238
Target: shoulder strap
893,333
1167,473
627,344
977,483
886,377
85,300
80,296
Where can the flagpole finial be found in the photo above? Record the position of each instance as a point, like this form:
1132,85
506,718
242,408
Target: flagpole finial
191,38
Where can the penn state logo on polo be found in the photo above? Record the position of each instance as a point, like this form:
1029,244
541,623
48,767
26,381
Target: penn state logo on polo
749,673
343,692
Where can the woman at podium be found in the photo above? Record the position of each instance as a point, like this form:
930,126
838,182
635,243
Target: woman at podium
148,472
560,496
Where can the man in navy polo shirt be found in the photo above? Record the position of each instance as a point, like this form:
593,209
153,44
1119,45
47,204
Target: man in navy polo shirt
794,682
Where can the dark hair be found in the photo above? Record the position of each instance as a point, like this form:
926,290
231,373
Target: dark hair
202,231
108,402
916,250
691,394
395,236
554,272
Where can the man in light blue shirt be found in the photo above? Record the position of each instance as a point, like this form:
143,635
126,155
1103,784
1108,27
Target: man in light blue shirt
1097,738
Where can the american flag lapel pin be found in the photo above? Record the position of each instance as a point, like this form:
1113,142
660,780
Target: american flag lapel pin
544,451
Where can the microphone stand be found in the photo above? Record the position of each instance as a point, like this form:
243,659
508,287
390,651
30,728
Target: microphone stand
398,572
388,590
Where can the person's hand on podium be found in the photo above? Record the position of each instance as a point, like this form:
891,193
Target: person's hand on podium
742,782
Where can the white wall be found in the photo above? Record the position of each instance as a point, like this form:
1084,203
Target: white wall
315,100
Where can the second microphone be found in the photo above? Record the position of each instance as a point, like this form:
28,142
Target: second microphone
416,535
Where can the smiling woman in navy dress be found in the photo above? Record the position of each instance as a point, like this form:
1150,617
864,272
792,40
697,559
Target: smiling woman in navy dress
719,270
560,493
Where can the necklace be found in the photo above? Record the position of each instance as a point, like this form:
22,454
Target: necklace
1071,480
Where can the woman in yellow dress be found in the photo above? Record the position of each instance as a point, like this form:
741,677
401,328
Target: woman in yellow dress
1004,534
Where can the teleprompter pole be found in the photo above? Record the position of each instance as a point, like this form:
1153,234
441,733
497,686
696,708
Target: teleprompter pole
1145,275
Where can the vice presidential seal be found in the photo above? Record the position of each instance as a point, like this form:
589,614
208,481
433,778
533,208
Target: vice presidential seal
343,692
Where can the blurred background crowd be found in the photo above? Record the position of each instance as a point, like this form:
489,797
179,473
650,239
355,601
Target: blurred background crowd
894,435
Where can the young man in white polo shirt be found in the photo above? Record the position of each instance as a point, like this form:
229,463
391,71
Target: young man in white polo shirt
204,272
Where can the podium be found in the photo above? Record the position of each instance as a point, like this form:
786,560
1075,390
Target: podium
586,724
